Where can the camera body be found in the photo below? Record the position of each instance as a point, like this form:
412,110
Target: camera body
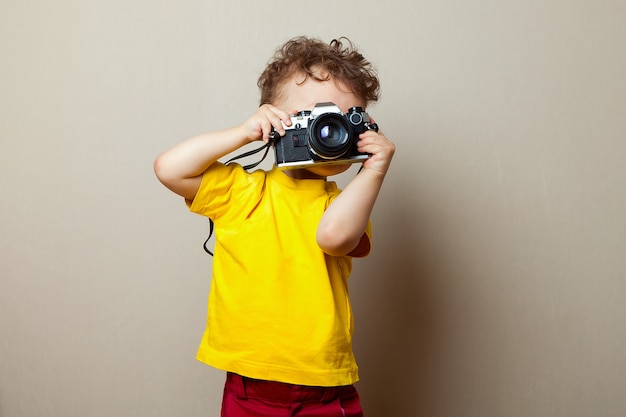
322,136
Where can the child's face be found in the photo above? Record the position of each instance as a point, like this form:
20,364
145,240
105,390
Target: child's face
295,96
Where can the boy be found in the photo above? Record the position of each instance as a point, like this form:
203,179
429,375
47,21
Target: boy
279,321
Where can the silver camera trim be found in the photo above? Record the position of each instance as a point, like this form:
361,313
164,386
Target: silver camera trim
299,121
304,164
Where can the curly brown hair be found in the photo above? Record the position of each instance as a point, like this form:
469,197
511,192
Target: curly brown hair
339,59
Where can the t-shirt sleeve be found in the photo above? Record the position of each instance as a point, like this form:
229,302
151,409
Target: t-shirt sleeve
221,187
365,244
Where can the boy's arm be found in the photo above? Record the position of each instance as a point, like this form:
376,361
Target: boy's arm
345,220
180,168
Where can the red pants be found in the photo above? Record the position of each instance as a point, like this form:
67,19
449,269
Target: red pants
245,397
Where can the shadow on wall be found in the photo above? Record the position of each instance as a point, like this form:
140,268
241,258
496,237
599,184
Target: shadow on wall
398,317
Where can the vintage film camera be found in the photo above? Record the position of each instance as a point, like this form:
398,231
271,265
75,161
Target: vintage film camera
323,135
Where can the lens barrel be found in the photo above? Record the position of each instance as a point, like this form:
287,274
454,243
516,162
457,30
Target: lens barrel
329,136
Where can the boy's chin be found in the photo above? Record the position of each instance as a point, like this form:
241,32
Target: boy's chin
329,170
319,171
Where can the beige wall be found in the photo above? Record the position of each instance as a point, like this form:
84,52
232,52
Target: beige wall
497,282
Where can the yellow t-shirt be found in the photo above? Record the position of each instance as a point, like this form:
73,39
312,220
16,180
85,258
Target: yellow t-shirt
278,307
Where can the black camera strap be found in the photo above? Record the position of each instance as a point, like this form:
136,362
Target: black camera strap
204,245
252,152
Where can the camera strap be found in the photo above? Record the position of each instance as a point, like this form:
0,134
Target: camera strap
252,152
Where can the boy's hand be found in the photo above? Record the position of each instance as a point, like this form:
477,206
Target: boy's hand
260,124
380,149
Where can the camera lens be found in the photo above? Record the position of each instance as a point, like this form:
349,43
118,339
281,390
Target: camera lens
329,136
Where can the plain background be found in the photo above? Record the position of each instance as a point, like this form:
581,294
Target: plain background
498,277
